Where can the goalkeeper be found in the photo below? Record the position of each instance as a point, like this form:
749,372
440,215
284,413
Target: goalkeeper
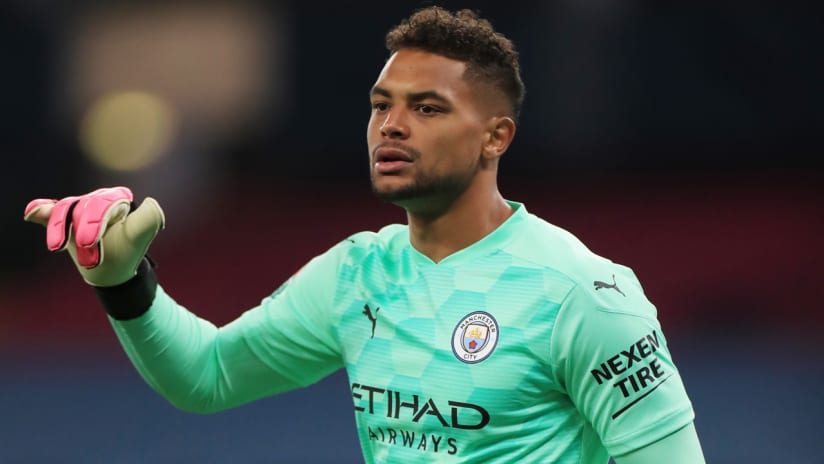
477,332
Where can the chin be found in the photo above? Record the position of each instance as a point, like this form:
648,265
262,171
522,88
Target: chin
389,187
391,195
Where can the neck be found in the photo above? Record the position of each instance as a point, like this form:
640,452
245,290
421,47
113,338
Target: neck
463,222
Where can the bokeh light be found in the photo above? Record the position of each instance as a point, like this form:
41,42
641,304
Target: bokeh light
127,131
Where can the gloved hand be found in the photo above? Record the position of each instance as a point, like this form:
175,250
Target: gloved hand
105,238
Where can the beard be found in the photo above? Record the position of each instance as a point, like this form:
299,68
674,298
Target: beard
427,192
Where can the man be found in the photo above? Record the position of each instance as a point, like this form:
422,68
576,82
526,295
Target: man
476,333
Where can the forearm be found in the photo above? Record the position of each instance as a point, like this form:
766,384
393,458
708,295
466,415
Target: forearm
174,352
190,362
681,447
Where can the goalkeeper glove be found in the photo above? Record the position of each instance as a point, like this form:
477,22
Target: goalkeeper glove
106,239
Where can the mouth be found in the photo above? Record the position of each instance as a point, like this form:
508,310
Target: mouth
390,160
391,154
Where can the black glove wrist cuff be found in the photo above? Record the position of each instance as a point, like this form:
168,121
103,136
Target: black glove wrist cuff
132,298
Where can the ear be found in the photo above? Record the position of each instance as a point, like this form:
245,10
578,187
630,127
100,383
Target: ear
499,134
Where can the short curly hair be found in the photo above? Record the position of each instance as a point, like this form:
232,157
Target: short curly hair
464,36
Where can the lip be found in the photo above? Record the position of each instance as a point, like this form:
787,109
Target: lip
391,154
391,160
390,167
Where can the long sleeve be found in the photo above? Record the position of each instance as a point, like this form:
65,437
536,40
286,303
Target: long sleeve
277,346
682,447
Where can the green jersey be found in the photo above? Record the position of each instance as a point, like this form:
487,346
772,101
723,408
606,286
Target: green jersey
523,346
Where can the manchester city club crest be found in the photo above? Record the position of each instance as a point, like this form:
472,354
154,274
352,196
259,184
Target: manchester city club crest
475,337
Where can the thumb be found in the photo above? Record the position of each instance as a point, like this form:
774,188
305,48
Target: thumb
39,211
142,225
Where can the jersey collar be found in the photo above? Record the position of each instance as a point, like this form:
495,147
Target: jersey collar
494,241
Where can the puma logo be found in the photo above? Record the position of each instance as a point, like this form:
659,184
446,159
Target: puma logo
372,318
599,285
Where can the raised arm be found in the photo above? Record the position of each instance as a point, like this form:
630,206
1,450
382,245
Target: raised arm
196,366
200,368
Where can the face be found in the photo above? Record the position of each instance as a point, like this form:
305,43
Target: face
426,131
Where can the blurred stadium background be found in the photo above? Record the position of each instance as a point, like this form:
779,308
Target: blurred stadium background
683,141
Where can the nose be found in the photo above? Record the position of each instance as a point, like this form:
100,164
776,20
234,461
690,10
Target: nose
393,126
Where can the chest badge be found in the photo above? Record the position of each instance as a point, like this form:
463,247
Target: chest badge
475,337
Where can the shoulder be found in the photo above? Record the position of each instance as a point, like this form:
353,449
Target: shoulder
349,254
388,240
389,237
594,279
383,238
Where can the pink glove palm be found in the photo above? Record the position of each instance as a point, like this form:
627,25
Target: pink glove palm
105,240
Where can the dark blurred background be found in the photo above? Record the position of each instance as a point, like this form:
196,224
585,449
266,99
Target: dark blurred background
681,140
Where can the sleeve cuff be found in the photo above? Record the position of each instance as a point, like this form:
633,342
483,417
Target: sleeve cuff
132,298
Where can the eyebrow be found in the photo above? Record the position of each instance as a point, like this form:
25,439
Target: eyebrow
414,96
379,91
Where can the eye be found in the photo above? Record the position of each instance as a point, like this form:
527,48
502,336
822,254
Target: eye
380,106
427,109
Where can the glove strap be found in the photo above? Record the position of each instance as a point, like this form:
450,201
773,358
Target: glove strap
132,298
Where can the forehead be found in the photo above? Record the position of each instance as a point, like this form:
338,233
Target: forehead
409,71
